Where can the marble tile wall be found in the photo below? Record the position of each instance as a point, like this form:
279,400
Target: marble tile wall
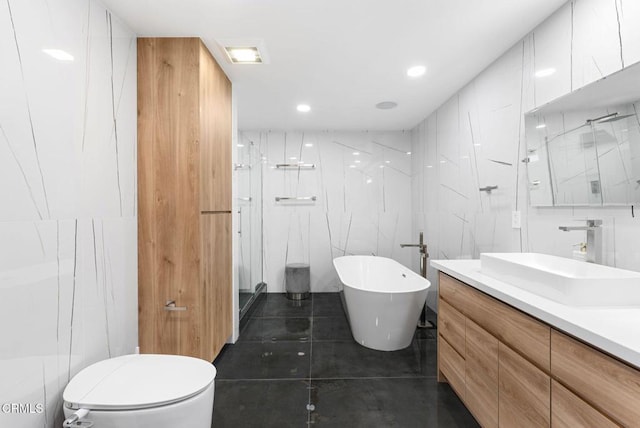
476,139
362,207
68,229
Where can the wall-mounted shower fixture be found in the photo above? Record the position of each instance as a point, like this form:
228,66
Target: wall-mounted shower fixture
488,189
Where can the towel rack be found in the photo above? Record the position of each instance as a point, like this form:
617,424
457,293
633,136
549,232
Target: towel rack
296,165
295,198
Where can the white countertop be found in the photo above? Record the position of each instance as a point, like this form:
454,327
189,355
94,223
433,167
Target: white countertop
615,330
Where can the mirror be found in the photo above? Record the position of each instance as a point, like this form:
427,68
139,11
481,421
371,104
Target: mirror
583,149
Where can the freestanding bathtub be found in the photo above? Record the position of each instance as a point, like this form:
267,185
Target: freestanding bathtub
384,300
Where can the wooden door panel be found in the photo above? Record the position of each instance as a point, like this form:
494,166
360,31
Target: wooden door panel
481,374
169,250
217,282
216,126
525,392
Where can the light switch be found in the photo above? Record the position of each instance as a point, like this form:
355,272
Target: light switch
515,219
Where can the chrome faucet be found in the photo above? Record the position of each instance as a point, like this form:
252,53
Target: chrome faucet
594,239
424,255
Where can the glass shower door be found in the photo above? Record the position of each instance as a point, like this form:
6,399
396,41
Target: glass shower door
248,172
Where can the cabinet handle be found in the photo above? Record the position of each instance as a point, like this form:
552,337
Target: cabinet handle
171,306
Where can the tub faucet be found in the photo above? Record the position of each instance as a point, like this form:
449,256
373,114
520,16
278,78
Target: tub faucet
424,255
422,246
594,239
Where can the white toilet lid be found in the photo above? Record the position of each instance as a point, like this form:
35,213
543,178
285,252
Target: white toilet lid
138,381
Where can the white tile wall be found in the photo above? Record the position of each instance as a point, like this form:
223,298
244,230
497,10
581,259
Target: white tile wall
68,245
583,41
363,201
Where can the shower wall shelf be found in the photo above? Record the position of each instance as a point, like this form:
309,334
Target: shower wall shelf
296,166
296,198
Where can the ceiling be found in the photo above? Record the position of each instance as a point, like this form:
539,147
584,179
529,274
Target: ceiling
344,56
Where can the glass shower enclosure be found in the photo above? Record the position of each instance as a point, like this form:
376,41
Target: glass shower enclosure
248,172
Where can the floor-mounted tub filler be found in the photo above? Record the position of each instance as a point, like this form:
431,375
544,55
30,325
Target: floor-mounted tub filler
383,298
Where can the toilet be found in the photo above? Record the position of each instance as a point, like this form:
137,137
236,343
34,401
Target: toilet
142,391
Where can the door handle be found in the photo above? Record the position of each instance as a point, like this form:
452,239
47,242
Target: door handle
171,306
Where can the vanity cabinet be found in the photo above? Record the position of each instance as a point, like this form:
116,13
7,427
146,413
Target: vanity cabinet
519,371
184,194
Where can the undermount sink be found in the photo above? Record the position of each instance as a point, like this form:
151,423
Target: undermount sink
567,281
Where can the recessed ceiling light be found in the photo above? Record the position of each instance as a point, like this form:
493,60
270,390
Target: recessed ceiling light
542,125
545,72
58,54
303,108
443,161
477,144
352,166
243,50
429,166
357,161
387,161
356,153
308,144
369,181
408,153
381,166
386,105
243,54
240,145
416,71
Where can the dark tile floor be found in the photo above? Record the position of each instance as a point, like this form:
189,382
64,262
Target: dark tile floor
297,365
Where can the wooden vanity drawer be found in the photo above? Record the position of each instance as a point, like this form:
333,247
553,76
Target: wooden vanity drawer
602,381
521,332
451,364
570,411
454,292
451,325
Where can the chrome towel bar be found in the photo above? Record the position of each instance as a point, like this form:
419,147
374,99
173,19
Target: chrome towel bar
296,165
295,198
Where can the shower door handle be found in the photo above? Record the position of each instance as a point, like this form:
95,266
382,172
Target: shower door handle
171,306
